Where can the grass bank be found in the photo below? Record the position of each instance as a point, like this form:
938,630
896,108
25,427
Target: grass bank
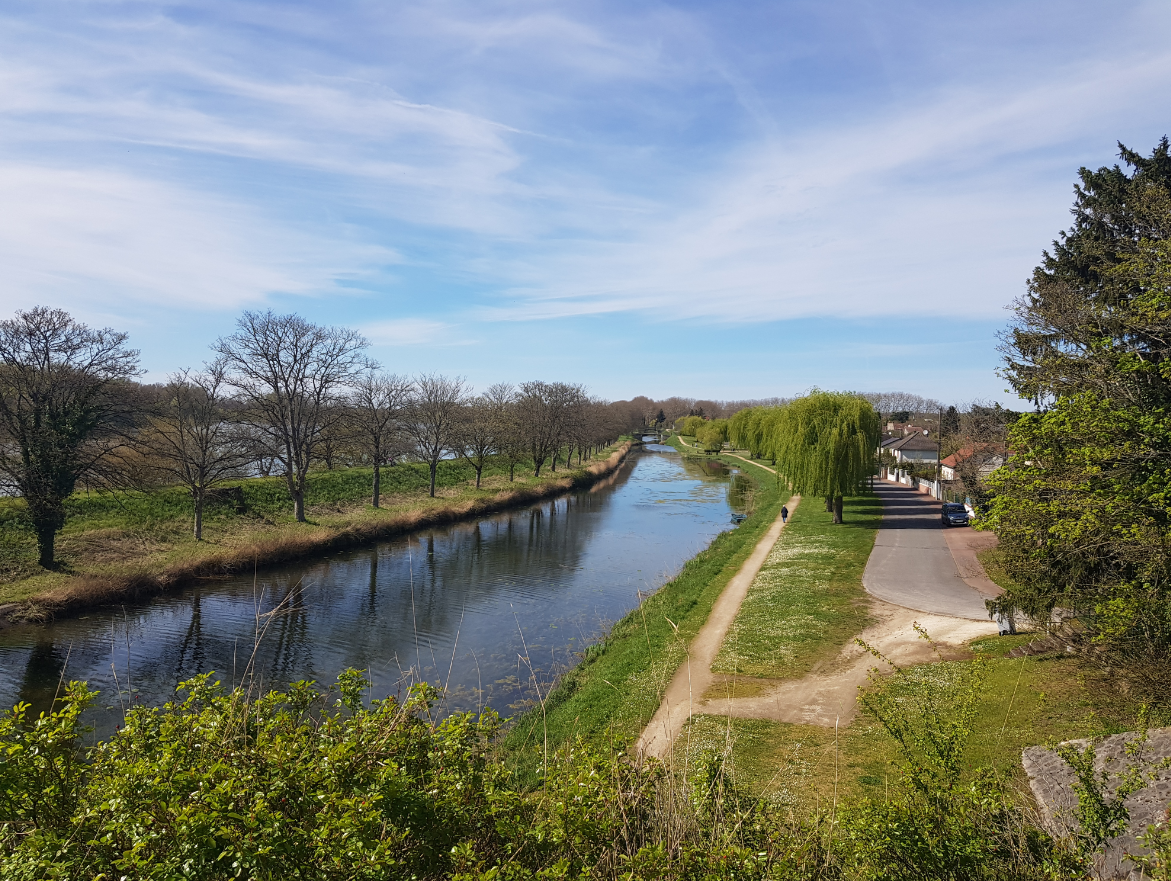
1026,701
807,601
120,545
618,685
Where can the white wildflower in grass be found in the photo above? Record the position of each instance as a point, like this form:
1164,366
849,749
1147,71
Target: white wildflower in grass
807,601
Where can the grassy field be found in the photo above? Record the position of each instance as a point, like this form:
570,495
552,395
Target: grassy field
1026,701
807,600
618,685
121,541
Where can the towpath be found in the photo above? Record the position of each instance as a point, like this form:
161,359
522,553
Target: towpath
694,677
943,594
728,453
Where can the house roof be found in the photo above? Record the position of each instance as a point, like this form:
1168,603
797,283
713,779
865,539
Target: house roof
965,453
912,442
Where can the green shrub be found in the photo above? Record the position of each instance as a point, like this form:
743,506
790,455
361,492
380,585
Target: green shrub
311,785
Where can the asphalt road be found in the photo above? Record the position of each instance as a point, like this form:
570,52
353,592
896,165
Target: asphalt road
911,564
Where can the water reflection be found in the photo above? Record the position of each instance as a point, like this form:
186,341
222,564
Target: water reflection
490,608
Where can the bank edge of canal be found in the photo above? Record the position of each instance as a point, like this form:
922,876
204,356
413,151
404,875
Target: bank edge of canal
619,683
89,591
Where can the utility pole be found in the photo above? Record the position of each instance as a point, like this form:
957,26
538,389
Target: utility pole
939,453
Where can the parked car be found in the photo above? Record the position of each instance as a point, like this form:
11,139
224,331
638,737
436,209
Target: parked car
954,514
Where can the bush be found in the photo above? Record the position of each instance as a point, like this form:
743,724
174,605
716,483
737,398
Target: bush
311,785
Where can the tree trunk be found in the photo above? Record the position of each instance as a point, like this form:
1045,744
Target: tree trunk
511,472
299,505
479,470
48,516
829,504
434,468
377,485
838,510
46,538
199,515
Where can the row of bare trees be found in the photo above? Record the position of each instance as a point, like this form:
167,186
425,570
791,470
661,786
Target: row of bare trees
280,395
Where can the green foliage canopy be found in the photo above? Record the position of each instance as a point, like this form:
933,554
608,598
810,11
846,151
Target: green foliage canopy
1083,511
825,444
712,434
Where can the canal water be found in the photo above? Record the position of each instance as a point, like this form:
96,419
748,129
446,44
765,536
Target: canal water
491,610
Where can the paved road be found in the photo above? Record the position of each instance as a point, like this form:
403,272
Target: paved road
912,565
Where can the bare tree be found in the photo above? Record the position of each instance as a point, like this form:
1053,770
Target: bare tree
888,403
377,406
501,400
539,419
263,456
433,418
477,434
578,412
981,440
192,437
336,444
66,406
290,371
564,402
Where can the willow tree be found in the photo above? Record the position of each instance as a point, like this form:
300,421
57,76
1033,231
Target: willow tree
712,434
824,445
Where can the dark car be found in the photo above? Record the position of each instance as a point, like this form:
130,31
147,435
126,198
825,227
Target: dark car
954,514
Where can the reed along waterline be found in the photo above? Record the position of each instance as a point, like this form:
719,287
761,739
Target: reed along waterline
492,609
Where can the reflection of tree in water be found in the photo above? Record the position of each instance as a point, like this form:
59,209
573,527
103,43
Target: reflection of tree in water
741,491
287,640
704,468
42,675
193,641
410,597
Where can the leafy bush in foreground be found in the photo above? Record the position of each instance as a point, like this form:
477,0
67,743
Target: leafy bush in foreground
306,784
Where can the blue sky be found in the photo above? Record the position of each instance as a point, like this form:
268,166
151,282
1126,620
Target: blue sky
726,200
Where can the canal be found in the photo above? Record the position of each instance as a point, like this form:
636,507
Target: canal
491,610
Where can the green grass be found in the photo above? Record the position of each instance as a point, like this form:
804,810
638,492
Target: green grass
807,600
617,687
109,534
1026,701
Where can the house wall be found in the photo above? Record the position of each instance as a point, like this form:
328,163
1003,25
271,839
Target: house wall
917,455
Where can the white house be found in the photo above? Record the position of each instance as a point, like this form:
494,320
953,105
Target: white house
912,448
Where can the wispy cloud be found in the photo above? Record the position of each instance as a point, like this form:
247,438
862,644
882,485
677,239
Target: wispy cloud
410,332
108,238
940,209
555,159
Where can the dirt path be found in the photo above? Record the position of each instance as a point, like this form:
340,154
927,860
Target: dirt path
827,695
694,676
750,462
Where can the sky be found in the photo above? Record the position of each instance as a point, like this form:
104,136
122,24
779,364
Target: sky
719,200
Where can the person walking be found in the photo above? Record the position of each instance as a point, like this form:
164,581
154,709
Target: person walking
784,514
